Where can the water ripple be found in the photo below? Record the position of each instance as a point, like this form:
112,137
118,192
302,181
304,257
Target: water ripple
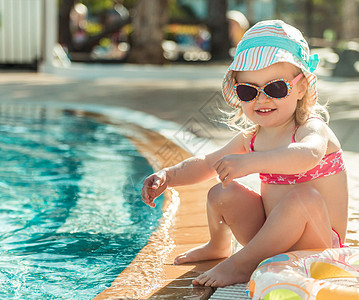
71,218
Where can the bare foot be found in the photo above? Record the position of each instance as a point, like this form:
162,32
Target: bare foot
225,273
204,252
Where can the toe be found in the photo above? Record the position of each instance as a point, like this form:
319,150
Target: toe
217,284
181,259
202,279
195,282
198,280
209,282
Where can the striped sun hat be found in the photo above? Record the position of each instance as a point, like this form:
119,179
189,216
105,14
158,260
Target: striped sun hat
267,43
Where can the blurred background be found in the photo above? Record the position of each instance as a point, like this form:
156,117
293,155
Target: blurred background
47,32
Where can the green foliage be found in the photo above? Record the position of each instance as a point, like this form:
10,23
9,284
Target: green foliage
176,11
336,3
98,5
105,43
318,18
93,28
329,35
318,2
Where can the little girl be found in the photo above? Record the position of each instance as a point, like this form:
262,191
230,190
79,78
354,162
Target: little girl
303,198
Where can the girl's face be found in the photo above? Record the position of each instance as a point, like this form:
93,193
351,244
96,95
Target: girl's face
269,112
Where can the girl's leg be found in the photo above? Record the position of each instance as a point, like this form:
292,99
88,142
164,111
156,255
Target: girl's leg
299,221
236,209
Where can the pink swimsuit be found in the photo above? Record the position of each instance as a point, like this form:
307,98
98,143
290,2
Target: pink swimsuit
331,164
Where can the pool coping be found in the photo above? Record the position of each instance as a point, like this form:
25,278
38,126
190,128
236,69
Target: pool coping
182,227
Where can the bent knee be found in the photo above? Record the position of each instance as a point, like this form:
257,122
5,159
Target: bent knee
219,195
305,198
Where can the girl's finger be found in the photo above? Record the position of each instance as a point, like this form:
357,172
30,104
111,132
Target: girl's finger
221,169
156,183
223,176
217,164
161,189
144,194
149,201
160,179
226,181
150,198
151,204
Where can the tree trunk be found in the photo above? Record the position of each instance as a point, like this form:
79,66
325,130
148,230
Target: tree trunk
250,11
148,32
350,27
218,26
309,11
65,37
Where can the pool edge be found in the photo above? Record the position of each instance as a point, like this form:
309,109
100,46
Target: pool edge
186,229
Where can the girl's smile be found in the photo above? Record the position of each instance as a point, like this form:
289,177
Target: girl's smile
264,111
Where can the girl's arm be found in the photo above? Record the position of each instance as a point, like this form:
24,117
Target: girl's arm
200,168
190,171
298,157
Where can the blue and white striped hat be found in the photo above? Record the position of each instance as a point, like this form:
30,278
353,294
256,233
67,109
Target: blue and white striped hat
267,43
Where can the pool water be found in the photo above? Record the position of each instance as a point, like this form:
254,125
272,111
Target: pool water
71,217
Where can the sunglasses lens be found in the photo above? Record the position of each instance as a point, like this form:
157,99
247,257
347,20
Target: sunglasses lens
245,92
277,89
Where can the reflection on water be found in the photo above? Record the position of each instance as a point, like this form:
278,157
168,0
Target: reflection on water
71,216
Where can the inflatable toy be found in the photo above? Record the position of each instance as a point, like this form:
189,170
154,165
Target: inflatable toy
332,274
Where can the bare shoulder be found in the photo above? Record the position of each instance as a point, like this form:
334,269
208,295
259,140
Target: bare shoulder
313,126
317,129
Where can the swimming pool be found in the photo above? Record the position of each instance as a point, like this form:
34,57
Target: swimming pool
70,212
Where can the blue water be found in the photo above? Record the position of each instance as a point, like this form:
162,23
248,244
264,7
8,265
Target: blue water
71,218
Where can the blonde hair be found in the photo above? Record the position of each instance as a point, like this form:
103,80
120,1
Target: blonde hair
237,120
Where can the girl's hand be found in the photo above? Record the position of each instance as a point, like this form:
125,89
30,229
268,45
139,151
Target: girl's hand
230,167
153,186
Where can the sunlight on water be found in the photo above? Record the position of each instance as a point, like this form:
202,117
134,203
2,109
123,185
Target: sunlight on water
71,218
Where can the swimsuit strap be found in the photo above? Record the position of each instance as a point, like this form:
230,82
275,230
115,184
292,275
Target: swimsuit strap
295,131
251,145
